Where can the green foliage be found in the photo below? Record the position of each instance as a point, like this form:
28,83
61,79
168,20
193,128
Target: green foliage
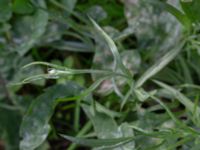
22,7
106,75
35,127
10,122
100,144
5,10
36,25
191,9
191,12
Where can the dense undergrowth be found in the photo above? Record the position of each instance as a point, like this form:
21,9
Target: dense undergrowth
99,74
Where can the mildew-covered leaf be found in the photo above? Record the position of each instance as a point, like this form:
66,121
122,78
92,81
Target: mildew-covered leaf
31,29
112,47
35,125
70,4
97,13
106,128
155,28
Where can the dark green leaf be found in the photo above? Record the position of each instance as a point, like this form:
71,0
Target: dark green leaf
22,7
9,122
178,14
5,10
71,46
191,9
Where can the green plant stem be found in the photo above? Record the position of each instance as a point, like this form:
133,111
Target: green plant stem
77,115
83,131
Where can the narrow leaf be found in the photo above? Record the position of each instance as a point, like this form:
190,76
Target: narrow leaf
182,98
191,9
159,65
182,18
73,46
112,47
98,142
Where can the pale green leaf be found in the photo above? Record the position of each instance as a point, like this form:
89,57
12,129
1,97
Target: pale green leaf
37,24
101,143
113,48
35,125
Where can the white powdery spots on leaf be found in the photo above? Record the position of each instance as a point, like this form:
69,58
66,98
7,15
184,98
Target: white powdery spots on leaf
168,124
29,138
130,1
105,87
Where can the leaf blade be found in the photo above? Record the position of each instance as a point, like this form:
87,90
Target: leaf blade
35,128
159,65
182,98
112,47
98,142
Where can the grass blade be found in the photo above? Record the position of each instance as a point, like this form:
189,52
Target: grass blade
182,98
181,17
98,142
113,49
159,65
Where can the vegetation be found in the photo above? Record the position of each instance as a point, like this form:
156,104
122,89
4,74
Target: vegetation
99,74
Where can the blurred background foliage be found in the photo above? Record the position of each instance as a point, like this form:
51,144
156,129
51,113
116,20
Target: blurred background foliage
59,32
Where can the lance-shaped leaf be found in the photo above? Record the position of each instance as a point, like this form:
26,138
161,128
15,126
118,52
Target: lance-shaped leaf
191,9
184,20
113,48
100,143
181,97
159,65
